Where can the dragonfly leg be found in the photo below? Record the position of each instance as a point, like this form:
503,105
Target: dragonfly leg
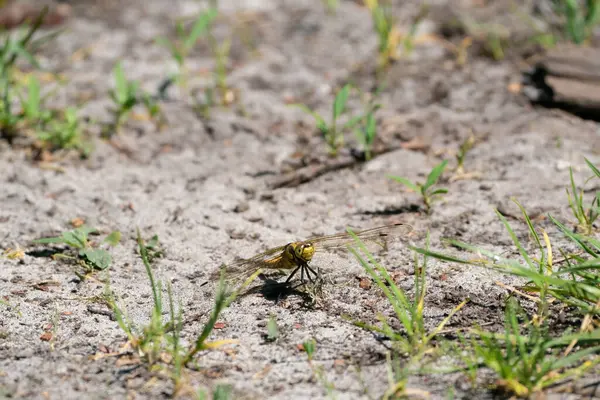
292,274
308,268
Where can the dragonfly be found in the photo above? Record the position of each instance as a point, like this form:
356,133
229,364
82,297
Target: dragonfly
296,256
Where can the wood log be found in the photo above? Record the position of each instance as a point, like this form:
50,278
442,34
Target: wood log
567,77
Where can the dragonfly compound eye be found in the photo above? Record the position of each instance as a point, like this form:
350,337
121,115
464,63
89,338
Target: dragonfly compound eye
306,251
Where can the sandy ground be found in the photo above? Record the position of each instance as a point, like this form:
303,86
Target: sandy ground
205,188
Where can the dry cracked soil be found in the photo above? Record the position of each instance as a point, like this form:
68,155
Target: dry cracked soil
251,176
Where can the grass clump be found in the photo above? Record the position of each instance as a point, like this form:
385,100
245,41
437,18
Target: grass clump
428,190
49,130
185,40
531,362
389,37
586,215
580,18
126,95
11,51
365,126
529,357
159,344
65,132
332,133
219,93
387,32
413,342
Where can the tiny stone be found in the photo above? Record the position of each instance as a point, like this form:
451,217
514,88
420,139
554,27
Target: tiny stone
241,207
562,165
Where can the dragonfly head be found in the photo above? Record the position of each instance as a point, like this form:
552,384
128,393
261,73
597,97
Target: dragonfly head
303,251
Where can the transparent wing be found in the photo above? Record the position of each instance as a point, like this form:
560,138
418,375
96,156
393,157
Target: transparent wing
244,266
379,236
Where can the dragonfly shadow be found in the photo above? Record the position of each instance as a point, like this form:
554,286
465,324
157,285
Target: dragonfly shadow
275,291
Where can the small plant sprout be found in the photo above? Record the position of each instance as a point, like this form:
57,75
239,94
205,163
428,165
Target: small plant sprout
126,95
464,148
332,134
428,190
226,96
12,50
185,41
387,32
310,347
586,215
366,131
53,130
32,103
221,58
366,134
409,39
89,257
65,132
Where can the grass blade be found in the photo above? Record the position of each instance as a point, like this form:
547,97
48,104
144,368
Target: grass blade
435,173
405,182
340,101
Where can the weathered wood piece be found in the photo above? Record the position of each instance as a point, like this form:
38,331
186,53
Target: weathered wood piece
567,77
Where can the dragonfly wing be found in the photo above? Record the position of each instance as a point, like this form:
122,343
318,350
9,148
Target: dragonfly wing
248,266
379,236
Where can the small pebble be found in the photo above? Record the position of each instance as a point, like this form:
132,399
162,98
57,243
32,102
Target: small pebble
241,207
562,165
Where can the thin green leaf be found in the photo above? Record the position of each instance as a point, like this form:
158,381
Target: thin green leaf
439,256
339,103
304,108
515,240
200,27
51,240
579,240
32,105
532,230
589,163
439,191
121,86
435,173
405,182
370,128
576,357
21,51
353,121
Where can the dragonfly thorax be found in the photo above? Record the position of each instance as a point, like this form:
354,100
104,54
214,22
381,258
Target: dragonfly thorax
301,250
